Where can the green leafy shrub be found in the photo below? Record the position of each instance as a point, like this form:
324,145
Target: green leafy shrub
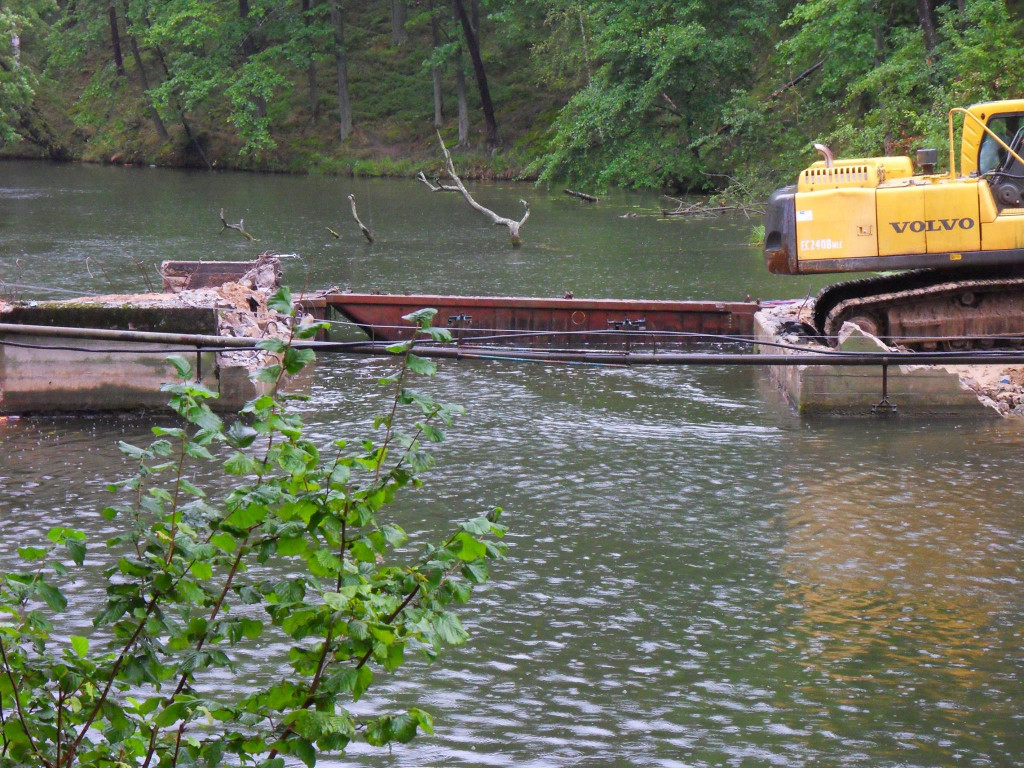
294,551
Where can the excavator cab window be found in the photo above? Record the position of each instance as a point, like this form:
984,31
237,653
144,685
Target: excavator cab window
991,155
1007,179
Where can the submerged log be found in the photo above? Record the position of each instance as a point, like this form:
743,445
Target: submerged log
582,196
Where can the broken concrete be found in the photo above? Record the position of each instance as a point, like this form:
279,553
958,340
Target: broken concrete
916,390
40,373
263,273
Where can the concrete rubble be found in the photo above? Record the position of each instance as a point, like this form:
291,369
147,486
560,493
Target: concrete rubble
941,389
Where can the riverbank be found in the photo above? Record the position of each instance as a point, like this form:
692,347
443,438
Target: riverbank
365,155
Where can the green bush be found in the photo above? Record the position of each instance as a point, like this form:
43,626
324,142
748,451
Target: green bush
195,574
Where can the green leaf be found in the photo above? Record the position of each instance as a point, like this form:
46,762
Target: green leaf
442,335
272,344
268,375
246,517
309,330
297,359
476,571
431,433
225,542
240,464
281,301
450,630
363,552
403,728
131,450
182,367
469,547
394,535
201,570
76,549
421,366
52,596
31,553
292,545
172,713
241,435
478,526
191,489
423,719
303,750
364,678
81,645
197,451
421,317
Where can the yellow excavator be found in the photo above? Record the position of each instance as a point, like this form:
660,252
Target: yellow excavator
961,235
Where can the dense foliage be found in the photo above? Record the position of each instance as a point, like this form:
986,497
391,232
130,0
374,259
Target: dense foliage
286,555
664,94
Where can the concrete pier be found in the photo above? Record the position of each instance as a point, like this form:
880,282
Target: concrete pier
41,372
914,390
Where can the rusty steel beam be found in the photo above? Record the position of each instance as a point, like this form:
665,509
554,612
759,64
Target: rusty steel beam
557,321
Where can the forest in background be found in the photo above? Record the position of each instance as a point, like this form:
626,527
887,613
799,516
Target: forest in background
680,95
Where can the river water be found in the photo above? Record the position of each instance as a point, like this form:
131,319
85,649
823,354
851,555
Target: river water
697,577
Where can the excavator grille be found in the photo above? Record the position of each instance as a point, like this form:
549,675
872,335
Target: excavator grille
840,176
865,173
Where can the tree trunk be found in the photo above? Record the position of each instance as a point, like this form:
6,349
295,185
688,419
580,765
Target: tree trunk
927,17
158,124
435,71
472,42
115,41
176,105
251,46
460,95
314,89
399,15
586,53
344,105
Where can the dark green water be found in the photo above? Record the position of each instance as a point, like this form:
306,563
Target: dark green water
697,576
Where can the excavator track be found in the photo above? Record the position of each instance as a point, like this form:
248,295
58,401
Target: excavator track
931,309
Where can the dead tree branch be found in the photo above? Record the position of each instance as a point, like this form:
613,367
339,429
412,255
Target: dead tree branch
802,76
239,227
366,232
707,208
438,187
672,105
513,226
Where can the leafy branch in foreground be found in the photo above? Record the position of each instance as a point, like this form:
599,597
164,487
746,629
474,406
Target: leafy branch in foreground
293,556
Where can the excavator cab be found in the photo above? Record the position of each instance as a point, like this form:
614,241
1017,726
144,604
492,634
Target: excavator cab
979,151
1006,180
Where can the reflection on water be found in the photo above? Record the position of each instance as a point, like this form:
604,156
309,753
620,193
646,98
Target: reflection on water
697,577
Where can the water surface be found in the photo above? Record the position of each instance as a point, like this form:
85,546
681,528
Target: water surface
697,576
